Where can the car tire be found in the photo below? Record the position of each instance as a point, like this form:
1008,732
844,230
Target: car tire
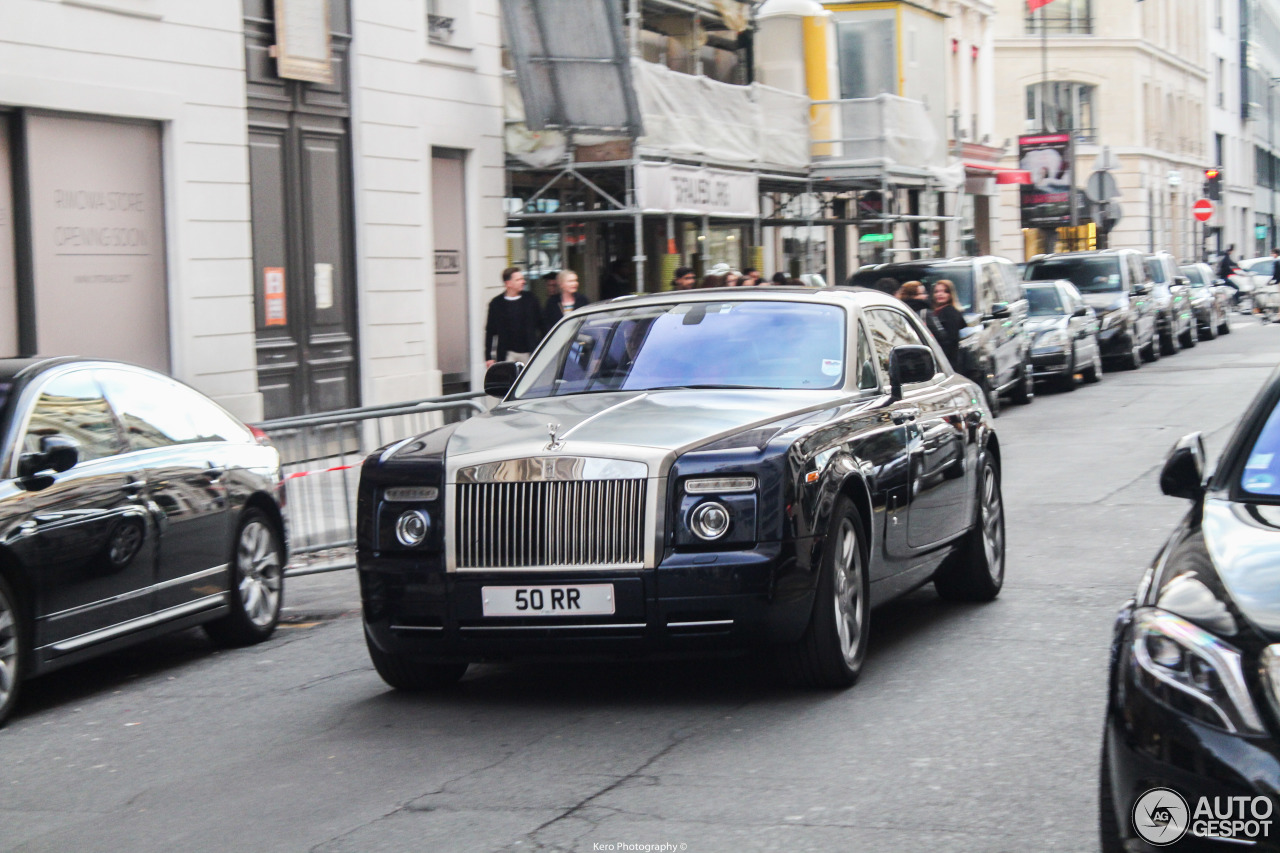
1224,328
256,591
975,571
1190,337
13,653
1209,331
1169,342
1093,373
1066,381
1109,838
1024,390
834,645
1151,352
413,675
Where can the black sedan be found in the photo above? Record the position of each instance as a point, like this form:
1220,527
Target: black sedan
1064,334
1194,702
686,473
130,505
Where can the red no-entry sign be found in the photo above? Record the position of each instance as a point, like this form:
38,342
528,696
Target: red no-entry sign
1202,209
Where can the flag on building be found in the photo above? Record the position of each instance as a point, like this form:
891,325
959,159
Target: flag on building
1032,5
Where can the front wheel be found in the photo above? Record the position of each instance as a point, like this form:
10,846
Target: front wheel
1191,336
990,394
834,645
410,674
1067,379
1025,390
257,584
1093,371
12,653
1169,343
975,572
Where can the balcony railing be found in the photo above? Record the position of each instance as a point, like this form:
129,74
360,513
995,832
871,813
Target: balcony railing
439,29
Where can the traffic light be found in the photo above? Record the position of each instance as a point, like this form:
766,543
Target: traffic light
1213,184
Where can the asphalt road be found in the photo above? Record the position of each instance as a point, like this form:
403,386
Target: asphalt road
974,728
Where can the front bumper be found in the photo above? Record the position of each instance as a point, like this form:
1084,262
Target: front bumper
1048,362
694,603
1116,341
1149,745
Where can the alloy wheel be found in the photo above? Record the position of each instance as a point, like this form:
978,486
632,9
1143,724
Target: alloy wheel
850,602
992,523
260,572
8,649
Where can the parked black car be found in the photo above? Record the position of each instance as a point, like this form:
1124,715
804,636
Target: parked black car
1211,300
994,351
1114,283
1064,334
130,505
1175,321
1194,697
690,472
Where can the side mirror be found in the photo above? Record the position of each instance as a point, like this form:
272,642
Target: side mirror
1000,311
57,453
1081,311
501,377
1182,280
1141,289
908,365
1183,472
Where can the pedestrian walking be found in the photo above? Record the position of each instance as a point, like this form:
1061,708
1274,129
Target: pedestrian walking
568,300
732,278
514,325
750,277
1227,264
946,320
683,279
712,280
780,278
912,294
1275,267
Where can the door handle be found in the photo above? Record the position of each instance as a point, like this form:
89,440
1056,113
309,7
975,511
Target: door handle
215,472
134,487
901,416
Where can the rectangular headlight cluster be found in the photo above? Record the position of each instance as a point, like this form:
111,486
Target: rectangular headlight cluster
407,494
719,485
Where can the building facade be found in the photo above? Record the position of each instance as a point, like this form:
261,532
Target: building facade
1131,77
293,205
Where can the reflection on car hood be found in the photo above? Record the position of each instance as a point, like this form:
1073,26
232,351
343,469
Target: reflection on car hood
673,420
1244,543
1107,301
1035,325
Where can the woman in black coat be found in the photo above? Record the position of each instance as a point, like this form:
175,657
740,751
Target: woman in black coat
946,320
566,302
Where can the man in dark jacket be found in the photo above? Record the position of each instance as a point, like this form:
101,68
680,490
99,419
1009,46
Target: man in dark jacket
514,325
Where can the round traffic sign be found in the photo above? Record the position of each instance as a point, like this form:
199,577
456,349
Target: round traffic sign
1202,209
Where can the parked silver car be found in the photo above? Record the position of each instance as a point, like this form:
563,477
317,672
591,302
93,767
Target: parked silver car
1064,334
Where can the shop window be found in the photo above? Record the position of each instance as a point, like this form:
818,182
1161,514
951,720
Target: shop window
449,23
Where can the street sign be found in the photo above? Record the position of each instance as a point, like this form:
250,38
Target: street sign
1101,186
1175,178
1260,232
1106,160
1202,209
875,238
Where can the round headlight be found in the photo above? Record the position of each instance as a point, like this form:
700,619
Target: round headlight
412,527
709,520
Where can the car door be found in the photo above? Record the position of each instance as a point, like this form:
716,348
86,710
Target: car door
1013,342
996,330
183,460
1142,305
938,493
87,537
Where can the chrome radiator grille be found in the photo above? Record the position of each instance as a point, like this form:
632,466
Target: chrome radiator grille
574,523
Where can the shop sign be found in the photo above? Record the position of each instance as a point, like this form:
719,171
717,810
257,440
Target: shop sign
1046,201
273,296
671,188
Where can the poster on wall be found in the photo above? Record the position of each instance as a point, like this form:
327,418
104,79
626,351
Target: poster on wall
274,311
98,239
1046,201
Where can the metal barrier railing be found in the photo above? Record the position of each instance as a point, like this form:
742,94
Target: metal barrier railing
321,456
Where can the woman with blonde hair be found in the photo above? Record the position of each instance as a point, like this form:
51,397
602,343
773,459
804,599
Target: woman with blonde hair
946,319
912,293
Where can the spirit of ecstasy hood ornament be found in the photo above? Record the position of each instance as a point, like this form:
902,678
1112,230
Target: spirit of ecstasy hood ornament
555,443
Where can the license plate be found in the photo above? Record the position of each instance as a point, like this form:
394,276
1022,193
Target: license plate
558,600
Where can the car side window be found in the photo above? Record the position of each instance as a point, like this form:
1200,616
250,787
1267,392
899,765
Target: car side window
1009,278
1137,273
867,378
158,412
73,405
890,328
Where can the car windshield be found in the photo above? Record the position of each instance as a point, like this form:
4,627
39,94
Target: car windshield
730,344
1194,275
961,275
1262,469
1089,275
1045,302
1155,269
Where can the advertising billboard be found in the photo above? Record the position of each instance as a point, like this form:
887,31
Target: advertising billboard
1046,201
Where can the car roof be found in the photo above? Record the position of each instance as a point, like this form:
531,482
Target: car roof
836,295
1092,253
